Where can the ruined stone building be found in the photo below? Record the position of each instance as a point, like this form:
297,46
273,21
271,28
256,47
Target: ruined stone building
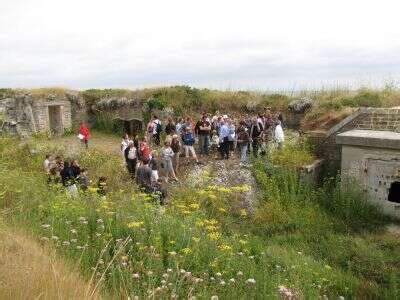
365,147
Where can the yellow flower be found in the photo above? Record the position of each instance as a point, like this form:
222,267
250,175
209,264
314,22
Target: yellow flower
225,247
135,224
214,236
223,190
172,242
211,222
243,212
195,239
199,223
186,212
211,228
212,196
186,251
194,206
221,209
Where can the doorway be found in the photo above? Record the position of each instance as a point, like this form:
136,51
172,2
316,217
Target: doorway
133,127
55,119
394,192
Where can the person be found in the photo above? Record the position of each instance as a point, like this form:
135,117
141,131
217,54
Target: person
279,135
214,141
76,169
47,166
68,180
170,127
126,140
224,139
147,184
153,164
131,159
59,166
167,154
204,135
243,139
102,186
179,127
157,129
144,149
83,179
255,135
188,142
232,135
149,131
176,147
84,134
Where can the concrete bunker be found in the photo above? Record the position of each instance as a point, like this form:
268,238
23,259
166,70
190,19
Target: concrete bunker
372,160
131,126
55,118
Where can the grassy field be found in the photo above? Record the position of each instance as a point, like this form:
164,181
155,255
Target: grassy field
300,240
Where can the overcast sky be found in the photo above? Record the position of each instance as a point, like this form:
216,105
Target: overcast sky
264,45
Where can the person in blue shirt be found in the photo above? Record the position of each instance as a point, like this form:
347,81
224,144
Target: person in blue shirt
224,132
188,142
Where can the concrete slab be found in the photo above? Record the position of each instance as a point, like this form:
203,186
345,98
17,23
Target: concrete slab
370,138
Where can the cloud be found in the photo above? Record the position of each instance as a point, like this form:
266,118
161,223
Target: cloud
268,45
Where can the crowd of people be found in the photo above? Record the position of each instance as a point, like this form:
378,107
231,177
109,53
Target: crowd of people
217,136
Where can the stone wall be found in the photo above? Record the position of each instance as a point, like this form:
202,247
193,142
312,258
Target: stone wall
386,119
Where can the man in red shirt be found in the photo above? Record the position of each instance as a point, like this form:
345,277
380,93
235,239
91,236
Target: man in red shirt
85,133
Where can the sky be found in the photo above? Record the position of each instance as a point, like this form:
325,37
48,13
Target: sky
256,45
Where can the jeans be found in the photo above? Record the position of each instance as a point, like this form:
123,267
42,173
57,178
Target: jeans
204,141
243,153
224,146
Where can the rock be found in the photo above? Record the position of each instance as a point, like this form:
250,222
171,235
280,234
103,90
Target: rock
299,106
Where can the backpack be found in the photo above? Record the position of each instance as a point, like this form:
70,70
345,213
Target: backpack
158,128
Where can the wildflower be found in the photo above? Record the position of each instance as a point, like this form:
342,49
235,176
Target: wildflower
81,219
214,297
123,264
186,251
150,273
240,253
163,282
222,282
212,278
218,274
55,238
101,262
243,212
194,206
221,209
188,274
79,247
135,275
251,281
172,242
239,273
214,236
195,239
99,221
45,226
74,231
251,256
169,270
135,224
232,280
98,234
66,243
172,253
225,247
182,271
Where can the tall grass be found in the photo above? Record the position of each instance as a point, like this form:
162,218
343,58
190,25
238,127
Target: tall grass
202,243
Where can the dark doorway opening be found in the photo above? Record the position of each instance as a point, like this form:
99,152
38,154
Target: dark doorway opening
55,119
394,192
133,127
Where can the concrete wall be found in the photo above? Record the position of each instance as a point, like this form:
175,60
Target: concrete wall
41,114
374,169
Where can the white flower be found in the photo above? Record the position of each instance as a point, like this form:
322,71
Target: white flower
215,297
218,274
222,282
66,243
251,281
99,221
172,253
46,226
84,222
182,271
55,238
169,270
150,273
98,234
239,273
251,257
124,263
135,275
240,253
212,278
74,240
188,274
165,275
73,231
81,219
101,262
232,280
158,289
163,282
